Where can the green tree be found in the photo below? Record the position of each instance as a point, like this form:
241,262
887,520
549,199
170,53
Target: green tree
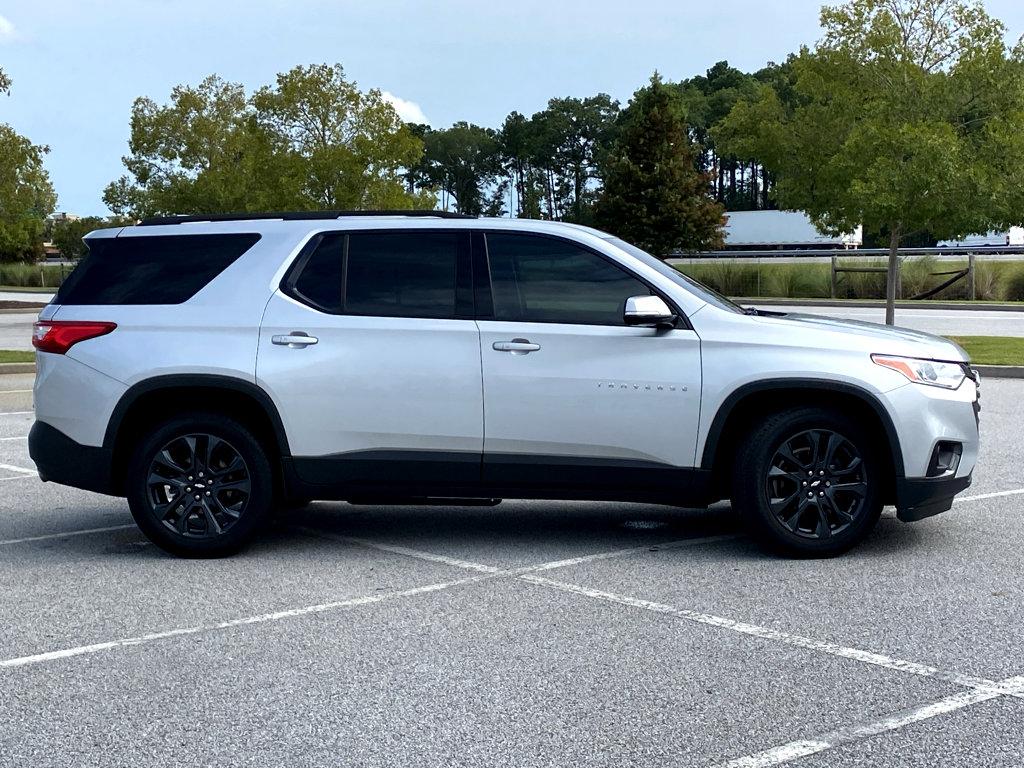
311,141
653,194
464,163
906,118
570,140
67,234
516,149
26,195
345,148
708,99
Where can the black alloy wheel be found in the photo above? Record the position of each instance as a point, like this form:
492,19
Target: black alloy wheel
816,484
199,485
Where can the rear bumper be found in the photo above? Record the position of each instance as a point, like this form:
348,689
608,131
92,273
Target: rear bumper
63,460
918,498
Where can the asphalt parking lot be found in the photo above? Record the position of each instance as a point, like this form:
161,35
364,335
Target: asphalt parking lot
532,633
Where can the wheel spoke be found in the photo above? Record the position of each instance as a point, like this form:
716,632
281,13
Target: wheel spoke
778,506
786,452
855,463
858,488
793,522
225,509
833,443
234,465
824,529
841,514
211,519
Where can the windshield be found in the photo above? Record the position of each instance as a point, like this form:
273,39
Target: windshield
694,287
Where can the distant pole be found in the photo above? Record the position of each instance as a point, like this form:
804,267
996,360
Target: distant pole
972,288
835,261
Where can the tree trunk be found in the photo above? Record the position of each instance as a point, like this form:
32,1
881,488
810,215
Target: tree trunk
892,276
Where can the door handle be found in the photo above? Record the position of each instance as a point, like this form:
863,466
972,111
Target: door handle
516,346
296,340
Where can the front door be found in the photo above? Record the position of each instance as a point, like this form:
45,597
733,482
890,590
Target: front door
574,398
373,363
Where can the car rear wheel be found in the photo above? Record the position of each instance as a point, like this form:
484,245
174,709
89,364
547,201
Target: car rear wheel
200,485
808,482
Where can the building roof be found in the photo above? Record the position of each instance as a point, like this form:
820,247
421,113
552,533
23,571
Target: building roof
779,228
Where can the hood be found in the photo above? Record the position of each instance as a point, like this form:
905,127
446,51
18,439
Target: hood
872,337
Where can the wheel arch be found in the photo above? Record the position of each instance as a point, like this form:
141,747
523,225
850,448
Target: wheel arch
153,400
769,396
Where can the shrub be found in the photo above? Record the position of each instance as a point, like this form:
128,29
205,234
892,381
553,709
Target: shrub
795,280
986,281
917,275
25,275
1014,291
861,285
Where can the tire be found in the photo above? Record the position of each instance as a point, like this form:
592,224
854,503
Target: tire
808,482
200,486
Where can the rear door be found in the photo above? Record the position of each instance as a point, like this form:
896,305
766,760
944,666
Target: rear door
370,351
574,398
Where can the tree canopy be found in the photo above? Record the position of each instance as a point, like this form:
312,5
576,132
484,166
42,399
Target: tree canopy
905,118
26,195
313,140
653,193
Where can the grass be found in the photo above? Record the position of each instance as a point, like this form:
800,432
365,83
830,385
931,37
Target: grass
17,356
993,350
29,289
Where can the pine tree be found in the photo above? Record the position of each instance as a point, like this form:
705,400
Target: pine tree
653,195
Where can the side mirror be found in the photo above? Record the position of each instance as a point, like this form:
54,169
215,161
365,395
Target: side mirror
649,311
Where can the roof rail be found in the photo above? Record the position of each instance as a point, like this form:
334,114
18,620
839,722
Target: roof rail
292,216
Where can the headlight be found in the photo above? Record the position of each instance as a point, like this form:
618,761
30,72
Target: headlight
927,372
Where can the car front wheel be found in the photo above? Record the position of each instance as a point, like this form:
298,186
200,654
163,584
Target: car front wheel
808,482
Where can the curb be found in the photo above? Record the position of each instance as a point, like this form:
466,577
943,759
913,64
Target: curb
1000,372
17,368
877,304
29,309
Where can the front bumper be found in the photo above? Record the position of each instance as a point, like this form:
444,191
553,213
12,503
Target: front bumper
63,460
918,498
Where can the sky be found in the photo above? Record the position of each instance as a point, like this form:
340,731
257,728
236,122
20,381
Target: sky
77,65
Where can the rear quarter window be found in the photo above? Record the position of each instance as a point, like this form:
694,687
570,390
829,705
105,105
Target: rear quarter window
159,269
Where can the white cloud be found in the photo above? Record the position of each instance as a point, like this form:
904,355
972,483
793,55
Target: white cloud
6,30
409,111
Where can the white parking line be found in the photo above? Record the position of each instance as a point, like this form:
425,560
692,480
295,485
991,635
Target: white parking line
460,564
15,438
63,534
993,495
6,392
489,573
826,647
77,651
14,477
847,734
14,413
16,469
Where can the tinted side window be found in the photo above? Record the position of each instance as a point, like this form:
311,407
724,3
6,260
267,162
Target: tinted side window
401,274
159,269
319,283
546,280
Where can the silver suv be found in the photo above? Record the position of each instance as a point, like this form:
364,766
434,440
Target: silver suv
213,368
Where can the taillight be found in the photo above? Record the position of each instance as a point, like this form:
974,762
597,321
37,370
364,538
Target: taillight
59,336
